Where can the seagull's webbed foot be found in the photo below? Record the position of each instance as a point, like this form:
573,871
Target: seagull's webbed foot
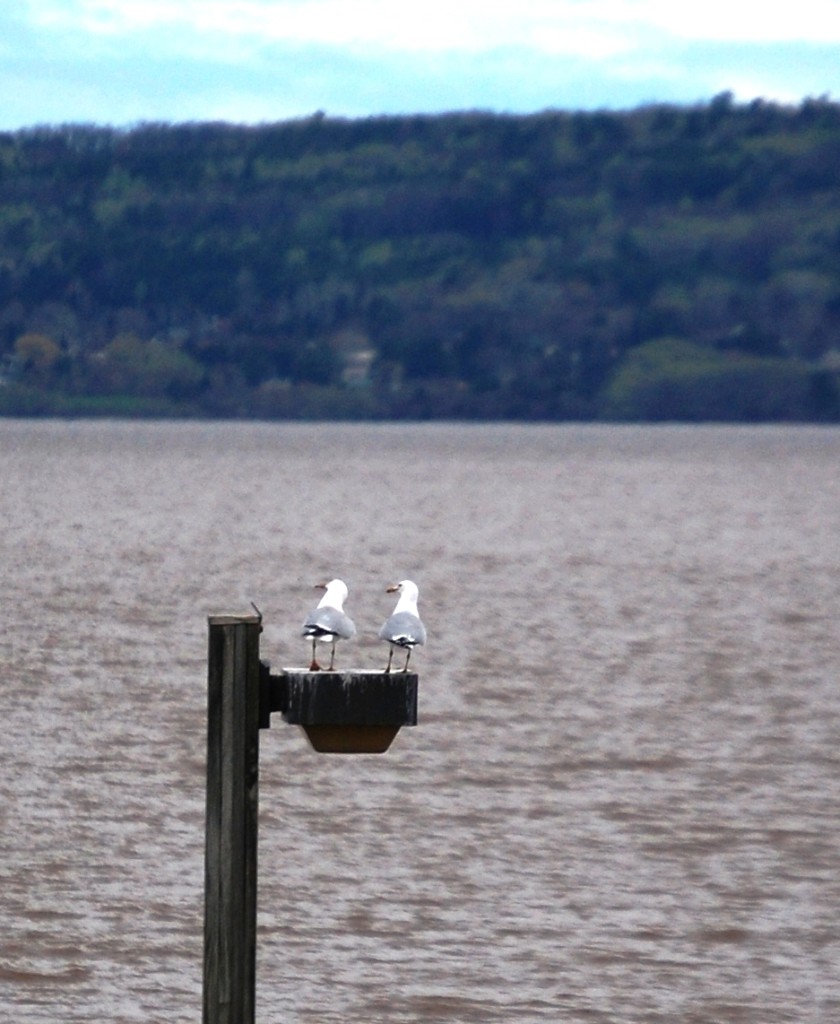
314,667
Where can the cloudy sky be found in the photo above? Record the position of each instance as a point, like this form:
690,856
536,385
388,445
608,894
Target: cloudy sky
122,61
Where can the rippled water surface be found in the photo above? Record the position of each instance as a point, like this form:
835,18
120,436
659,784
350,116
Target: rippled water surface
621,804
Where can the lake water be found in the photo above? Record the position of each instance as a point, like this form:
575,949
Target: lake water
622,800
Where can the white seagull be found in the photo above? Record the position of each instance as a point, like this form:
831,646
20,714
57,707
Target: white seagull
328,622
403,627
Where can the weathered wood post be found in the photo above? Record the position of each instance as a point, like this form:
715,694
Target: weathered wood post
347,713
230,913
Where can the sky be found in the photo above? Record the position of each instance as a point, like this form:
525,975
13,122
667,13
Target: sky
121,62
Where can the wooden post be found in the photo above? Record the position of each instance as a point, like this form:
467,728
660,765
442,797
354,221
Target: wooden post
230,880
352,712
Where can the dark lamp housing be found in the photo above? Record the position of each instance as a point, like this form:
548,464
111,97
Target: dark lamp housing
342,712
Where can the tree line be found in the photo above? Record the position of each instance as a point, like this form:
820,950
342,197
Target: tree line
664,262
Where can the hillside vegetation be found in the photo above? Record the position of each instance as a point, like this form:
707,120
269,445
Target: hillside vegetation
659,263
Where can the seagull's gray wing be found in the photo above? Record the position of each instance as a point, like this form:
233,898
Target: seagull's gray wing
403,629
329,622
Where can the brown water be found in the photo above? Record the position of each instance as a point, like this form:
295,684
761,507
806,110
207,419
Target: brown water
621,804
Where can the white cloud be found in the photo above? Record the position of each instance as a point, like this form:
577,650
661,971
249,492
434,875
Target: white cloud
721,21
583,28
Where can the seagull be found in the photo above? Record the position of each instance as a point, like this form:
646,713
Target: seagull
403,628
328,622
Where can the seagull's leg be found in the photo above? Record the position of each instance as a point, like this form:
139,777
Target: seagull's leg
332,656
390,655
314,667
407,656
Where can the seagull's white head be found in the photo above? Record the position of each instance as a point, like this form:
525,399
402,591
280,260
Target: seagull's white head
409,592
407,587
335,596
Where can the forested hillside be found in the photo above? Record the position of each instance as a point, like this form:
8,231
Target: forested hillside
659,263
